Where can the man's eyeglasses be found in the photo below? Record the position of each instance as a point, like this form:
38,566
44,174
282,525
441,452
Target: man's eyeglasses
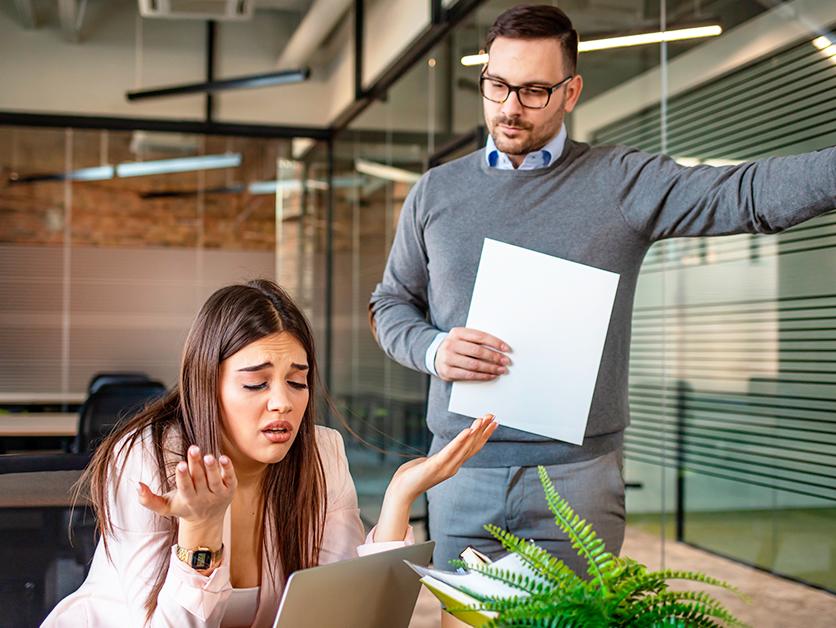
530,96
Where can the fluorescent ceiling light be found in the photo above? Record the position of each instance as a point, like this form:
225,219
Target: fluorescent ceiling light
270,187
382,171
688,162
822,42
697,161
345,182
480,59
183,164
625,41
650,38
826,46
470,60
724,162
138,169
97,173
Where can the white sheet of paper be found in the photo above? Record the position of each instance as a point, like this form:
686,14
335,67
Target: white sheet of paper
554,314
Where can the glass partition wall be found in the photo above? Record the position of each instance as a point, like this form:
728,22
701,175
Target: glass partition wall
732,377
111,240
377,160
731,453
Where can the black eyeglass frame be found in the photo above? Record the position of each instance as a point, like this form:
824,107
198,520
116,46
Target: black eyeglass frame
516,89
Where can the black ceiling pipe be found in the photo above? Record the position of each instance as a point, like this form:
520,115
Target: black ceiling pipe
250,81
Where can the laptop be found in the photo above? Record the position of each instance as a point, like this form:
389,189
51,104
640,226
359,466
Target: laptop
375,591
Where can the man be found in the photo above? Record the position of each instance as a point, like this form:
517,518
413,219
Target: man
600,206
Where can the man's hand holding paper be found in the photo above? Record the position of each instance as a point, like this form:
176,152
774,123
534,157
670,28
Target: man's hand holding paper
471,355
558,338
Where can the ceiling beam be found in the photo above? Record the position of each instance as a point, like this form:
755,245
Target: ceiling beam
320,19
13,118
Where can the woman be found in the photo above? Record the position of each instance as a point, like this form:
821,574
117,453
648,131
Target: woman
208,499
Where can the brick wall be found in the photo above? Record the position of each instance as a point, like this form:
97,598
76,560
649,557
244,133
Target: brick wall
172,210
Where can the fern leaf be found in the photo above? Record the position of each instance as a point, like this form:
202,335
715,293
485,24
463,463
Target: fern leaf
581,535
540,561
677,613
636,583
693,576
553,612
691,605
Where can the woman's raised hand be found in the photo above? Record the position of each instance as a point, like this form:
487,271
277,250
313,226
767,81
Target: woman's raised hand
204,489
419,475
416,476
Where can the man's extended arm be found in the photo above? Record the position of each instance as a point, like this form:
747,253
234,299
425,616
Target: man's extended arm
661,199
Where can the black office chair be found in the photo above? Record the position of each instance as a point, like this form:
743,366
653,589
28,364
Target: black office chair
110,405
100,379
25,463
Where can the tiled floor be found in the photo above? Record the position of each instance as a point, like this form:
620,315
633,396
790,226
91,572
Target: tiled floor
775,602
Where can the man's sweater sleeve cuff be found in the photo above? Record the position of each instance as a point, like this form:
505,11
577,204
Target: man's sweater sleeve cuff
429,360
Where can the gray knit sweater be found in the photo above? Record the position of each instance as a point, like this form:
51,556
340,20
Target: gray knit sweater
600,206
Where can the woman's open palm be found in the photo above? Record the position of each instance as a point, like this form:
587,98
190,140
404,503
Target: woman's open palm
204,487
419,475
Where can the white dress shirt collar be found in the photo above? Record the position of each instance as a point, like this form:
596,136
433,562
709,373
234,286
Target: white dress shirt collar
537,159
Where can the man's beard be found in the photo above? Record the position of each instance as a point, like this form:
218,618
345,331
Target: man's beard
511,147
535,141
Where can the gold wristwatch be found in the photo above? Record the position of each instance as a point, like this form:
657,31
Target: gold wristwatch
200,558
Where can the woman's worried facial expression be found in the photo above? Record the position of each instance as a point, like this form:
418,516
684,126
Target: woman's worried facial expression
264,394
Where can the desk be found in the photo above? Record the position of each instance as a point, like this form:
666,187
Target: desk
39,424
42,398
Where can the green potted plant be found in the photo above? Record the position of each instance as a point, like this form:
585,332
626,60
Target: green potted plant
617,592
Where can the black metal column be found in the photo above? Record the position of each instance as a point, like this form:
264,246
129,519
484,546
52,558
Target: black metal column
211,31
329,272
682,389
359,34
436,12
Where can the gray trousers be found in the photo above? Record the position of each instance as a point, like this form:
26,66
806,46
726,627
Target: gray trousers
513,499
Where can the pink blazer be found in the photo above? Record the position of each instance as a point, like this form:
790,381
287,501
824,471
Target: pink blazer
114,592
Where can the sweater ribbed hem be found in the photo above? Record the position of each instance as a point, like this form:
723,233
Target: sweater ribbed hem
533,453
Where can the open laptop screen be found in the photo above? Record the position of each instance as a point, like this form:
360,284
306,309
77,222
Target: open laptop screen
375,591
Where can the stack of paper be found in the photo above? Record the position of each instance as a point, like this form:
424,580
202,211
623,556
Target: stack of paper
554,314
462,590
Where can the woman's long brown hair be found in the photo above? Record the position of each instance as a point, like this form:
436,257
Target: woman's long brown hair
293,491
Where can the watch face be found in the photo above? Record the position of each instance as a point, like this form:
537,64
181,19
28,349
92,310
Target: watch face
201,559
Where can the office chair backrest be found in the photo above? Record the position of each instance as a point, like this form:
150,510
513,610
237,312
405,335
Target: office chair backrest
109,405
100,379
37,463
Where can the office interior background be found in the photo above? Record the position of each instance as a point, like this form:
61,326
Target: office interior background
731,454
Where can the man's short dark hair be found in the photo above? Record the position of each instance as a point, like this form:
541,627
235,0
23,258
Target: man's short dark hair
537,21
